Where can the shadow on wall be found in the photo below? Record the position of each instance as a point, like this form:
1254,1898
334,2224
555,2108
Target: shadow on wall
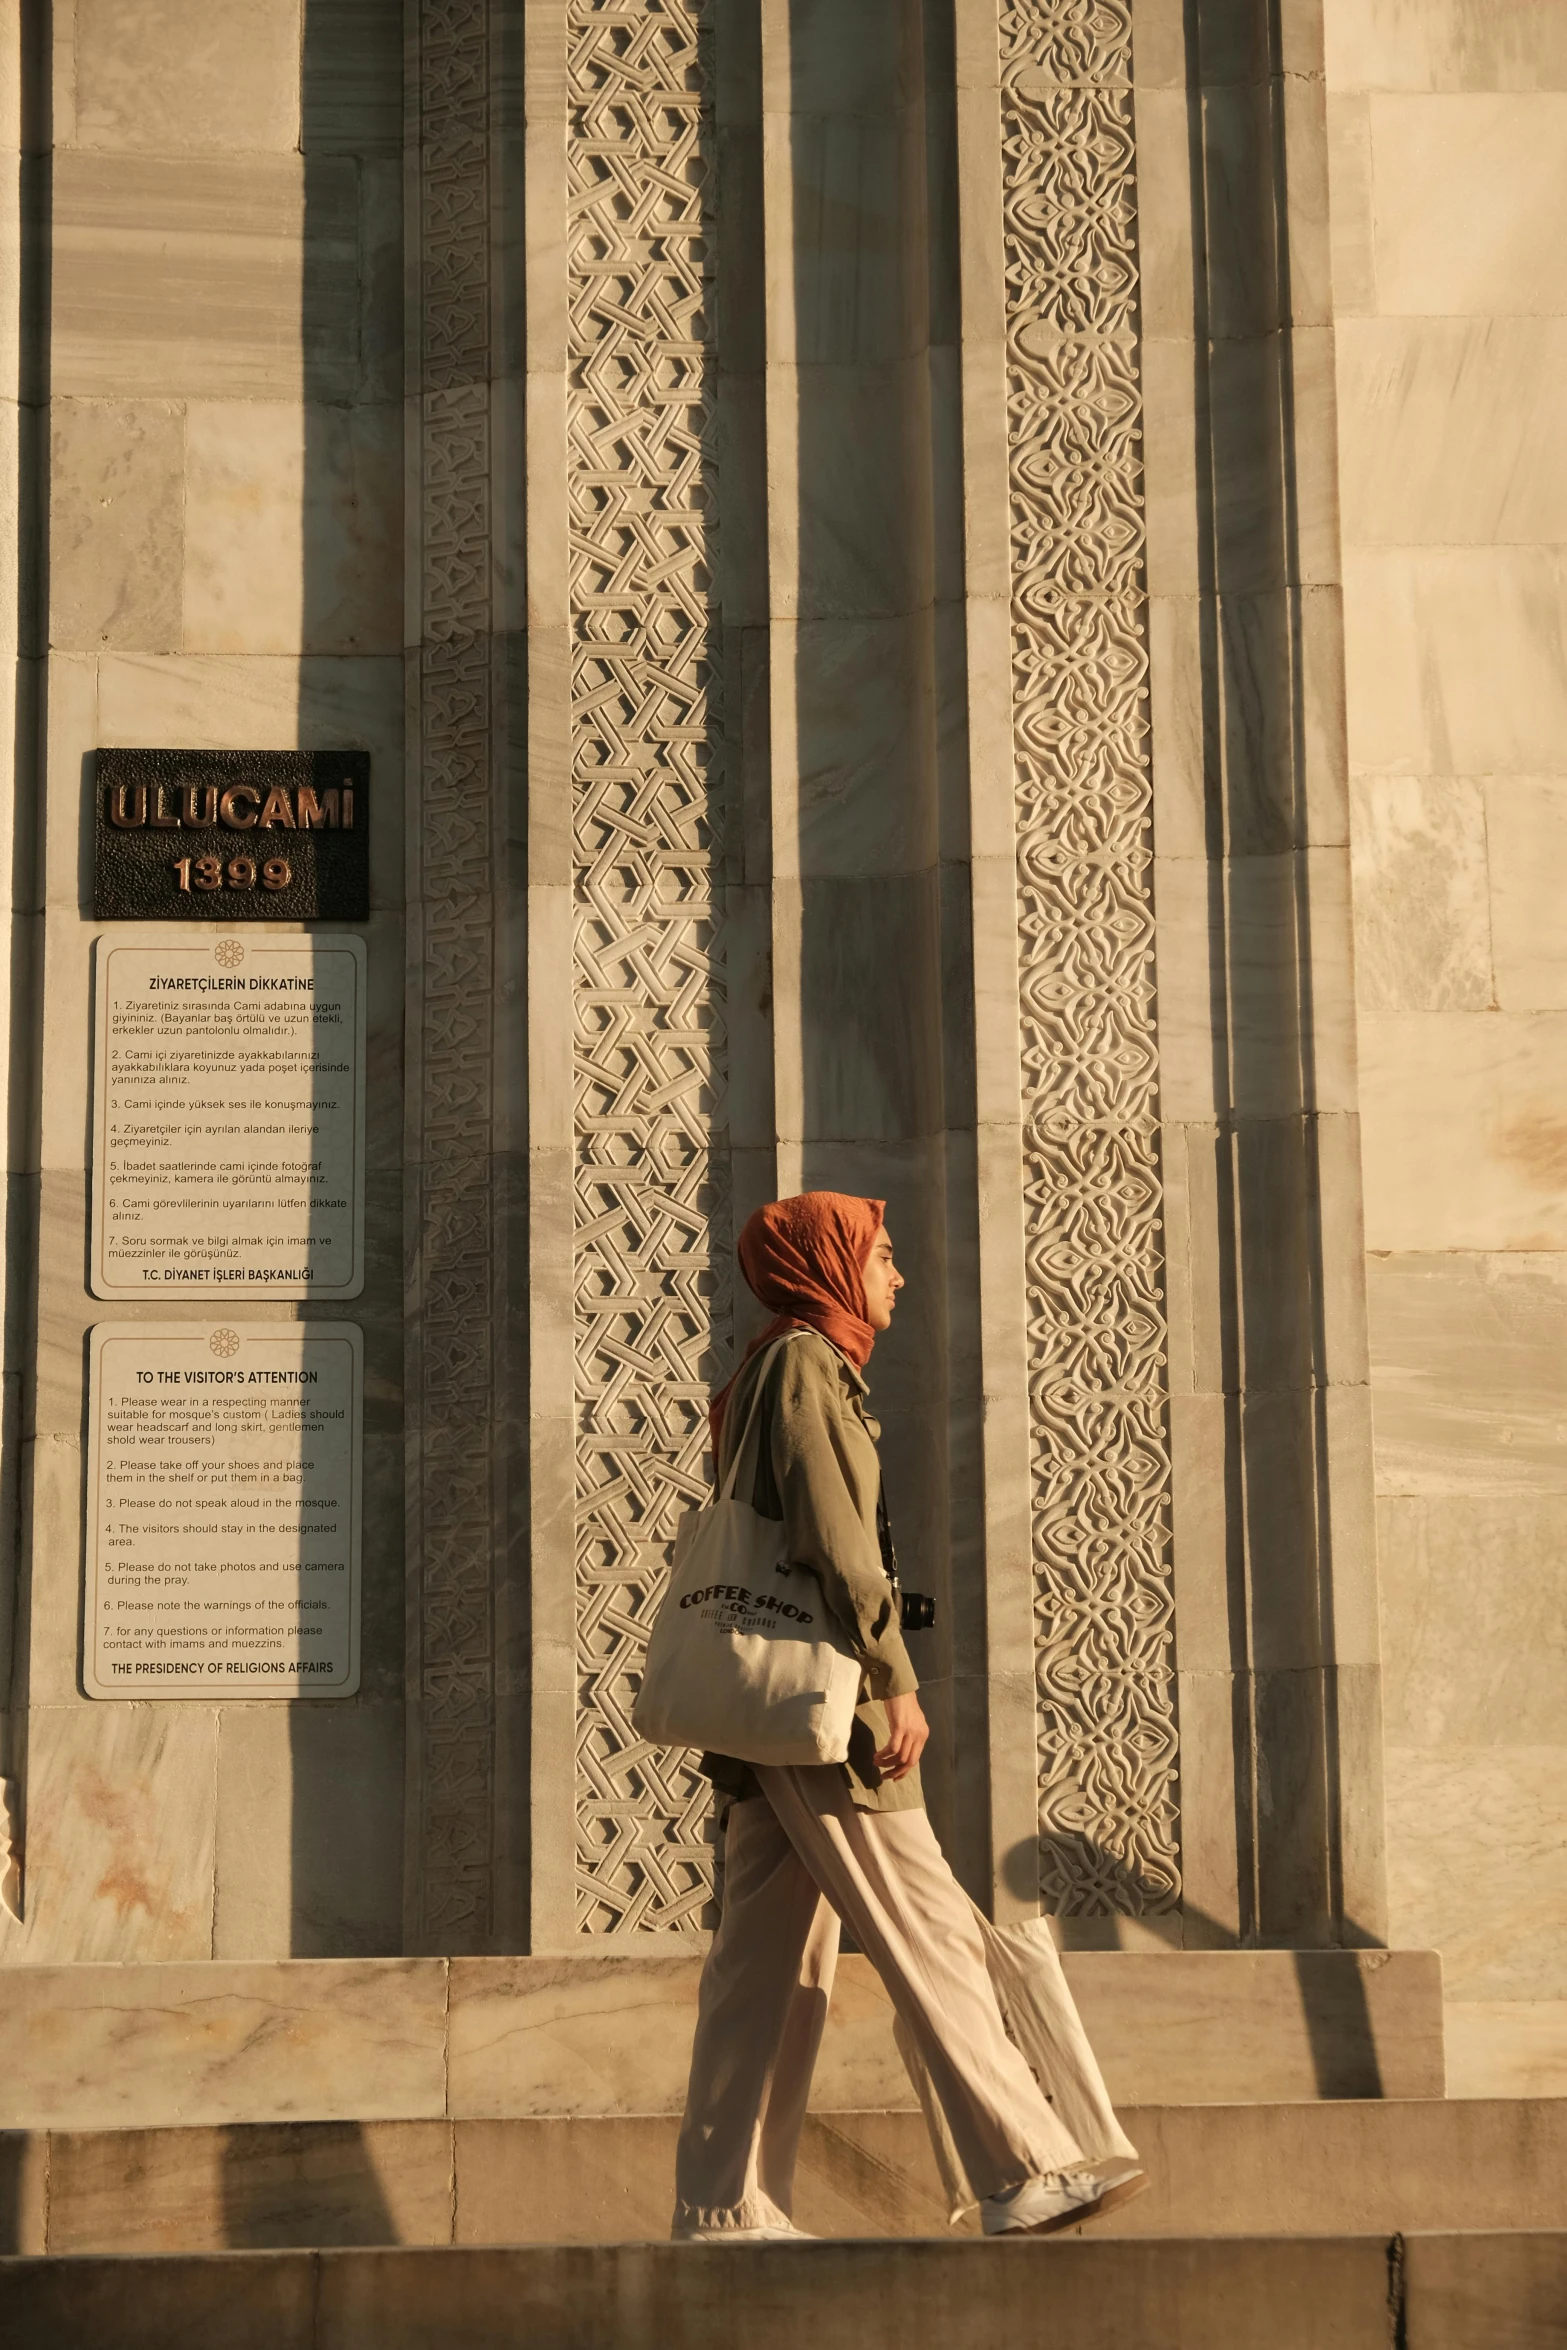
308,2185
25,42
1272,752
885,1088
345,1855
343,1885
1333,2001
13,2151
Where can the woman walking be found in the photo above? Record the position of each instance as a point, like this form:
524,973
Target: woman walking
808,1846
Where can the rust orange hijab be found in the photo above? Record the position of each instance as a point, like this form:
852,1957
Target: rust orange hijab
805,1258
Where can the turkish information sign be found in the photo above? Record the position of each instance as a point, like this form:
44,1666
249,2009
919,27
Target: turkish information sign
228,1126
224,1502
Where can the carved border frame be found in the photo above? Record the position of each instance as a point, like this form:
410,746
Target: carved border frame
1097,1338
649,798
465,1060
1060,874
449,1324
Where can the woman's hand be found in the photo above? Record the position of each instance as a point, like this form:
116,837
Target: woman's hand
907,1731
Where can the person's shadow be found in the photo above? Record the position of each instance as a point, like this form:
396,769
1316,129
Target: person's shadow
1332,1986
301,2184
13,2154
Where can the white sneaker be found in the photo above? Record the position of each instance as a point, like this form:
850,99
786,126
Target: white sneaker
1040,2206
784,2235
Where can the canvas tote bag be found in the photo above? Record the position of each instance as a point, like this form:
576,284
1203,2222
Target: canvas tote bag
745,1658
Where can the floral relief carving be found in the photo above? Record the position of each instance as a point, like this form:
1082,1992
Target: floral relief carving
1096,1320
652,1232
452,1385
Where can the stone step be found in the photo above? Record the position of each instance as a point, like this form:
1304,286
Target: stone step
1317,2168
1422,2292
517,2039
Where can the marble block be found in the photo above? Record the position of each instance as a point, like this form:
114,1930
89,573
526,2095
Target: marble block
1447,430
193,78
606,2036
351,96
24,2191
1507,2048
293,528
1477,1863
119,1836
1367,2166
563,2181
1445,45
116,524
1462,185
1462,2290
1453,659
329,2039
1469,1371
250,2187
837,2296
209,700
1526,833
1422,910
329,1884
1256,2026
204,276
1475,1646
1464,1134
514,2038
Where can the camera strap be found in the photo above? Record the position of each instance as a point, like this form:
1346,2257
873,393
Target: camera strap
889,1555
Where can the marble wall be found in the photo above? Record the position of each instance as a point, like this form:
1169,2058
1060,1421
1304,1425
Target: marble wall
223,370
1276,1635
786,637
20,437
1449,164
863,893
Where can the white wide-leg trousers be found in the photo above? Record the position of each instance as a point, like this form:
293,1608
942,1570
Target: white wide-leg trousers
798,1860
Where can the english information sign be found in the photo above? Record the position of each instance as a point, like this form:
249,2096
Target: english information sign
224,1501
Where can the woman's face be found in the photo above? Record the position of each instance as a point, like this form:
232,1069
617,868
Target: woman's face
882,1281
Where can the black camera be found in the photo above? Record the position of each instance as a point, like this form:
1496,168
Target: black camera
919,1611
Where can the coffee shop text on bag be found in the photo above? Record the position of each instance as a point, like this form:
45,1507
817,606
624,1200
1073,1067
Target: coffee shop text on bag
745,1658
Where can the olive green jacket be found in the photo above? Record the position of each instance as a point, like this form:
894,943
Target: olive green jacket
818,1470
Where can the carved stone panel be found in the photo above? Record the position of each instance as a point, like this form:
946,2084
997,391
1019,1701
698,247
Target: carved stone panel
1096,1321
652,1240
451,1008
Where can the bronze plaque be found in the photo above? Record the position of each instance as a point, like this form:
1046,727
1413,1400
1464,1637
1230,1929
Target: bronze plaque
232,836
